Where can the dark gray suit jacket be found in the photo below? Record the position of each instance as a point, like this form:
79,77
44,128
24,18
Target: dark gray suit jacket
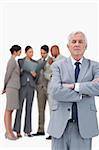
25,74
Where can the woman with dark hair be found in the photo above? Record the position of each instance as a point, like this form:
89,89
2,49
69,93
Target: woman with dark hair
26,93
11,88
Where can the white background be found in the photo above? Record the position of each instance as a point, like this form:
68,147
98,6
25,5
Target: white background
41,22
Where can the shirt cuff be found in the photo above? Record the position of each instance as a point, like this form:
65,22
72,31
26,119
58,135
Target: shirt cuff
76,87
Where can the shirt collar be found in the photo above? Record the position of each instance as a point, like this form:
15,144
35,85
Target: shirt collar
45,58
73,60
56,58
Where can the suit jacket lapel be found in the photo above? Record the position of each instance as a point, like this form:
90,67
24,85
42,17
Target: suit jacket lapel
83,70
70,70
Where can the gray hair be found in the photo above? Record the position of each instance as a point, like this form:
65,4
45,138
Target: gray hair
74,33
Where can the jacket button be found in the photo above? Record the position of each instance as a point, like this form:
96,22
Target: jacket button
68,109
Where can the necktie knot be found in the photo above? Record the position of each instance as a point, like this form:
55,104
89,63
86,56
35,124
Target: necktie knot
77,63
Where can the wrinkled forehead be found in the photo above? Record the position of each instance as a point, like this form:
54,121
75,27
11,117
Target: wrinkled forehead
77,36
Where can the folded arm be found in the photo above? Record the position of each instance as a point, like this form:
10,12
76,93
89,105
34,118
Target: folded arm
59,91
91,88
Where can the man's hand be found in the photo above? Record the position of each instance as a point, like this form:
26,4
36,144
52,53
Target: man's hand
34,74
95,80
70,86
50,61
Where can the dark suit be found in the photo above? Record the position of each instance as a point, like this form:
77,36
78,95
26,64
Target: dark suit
26,92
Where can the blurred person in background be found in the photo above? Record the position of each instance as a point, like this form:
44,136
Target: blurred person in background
41,87
11,88
26,93
56,56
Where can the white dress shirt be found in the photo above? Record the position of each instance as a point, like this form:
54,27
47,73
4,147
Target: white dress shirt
73,63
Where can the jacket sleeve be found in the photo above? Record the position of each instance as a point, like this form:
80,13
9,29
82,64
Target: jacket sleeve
89,88
21,65
10,67
60,93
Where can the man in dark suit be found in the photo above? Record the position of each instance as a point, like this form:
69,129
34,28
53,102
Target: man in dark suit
27,80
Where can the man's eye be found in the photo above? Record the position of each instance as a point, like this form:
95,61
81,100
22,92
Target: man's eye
80,41
74,41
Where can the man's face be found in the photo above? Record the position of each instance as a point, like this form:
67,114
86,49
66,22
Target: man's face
55,52
44,54
77,45
29,53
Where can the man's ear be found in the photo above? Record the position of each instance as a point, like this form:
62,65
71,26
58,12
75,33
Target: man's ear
85,46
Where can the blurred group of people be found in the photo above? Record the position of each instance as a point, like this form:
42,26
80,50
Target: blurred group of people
20,86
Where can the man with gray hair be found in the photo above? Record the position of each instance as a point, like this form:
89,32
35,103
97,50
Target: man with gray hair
74,85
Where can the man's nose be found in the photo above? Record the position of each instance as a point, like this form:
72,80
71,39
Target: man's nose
77,43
